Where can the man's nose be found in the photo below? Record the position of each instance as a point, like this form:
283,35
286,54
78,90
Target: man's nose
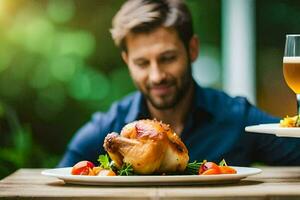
156,74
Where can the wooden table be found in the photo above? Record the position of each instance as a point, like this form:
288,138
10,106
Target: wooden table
273,183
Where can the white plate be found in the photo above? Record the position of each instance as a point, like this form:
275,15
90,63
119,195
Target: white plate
64,174
274,129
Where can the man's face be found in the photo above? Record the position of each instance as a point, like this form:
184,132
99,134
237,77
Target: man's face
159,66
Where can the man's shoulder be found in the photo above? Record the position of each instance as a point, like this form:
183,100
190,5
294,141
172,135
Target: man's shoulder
219,101
239,108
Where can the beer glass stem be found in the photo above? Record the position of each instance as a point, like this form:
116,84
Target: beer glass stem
298,110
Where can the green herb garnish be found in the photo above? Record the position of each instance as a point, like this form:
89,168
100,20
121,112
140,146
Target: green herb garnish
193,168
126,170
223,163
104,161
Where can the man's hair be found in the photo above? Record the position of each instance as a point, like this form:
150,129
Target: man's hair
144,16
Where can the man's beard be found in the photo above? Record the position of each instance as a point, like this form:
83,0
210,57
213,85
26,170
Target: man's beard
181,89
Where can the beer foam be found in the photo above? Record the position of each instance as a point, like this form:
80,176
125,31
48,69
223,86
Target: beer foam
291,59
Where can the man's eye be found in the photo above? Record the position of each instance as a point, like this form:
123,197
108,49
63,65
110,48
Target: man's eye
142,64
168,59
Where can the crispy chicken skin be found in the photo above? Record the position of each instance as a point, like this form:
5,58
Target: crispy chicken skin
149,146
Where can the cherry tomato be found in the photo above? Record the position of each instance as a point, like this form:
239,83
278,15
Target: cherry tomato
106,172
209,165
82,168
227,170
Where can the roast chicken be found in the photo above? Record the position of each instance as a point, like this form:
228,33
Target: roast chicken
150,146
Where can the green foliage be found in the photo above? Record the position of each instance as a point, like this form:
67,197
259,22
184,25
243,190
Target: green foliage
58,64
22,150
50,52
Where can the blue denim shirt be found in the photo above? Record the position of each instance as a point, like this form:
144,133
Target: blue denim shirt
213,130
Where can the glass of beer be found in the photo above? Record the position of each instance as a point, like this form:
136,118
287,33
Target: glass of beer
291,67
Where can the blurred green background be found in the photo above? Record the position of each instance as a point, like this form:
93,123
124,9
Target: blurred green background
58,65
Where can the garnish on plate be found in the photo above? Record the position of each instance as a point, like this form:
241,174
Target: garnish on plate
104,161
107,168
82,168
211,168
290,121
126,170
192,168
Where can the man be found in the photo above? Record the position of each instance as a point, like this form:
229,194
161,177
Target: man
158,44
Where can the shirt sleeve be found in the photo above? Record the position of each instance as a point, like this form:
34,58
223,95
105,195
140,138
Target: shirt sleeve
86,144
270,149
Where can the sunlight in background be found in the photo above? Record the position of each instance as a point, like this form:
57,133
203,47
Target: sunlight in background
1,8
4,9
4,57
51,58
37,36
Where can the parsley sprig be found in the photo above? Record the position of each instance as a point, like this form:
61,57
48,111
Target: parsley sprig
192,168
126,170
104,161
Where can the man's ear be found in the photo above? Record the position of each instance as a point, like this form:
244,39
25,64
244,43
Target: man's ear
125,57
194,48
